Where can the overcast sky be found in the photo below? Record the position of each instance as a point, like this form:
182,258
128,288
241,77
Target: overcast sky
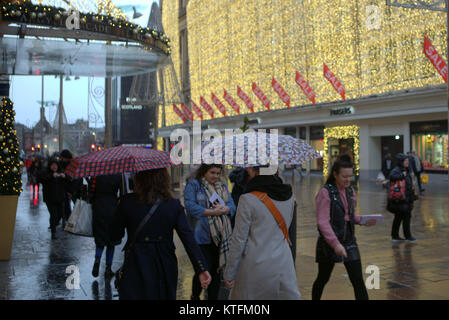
26,91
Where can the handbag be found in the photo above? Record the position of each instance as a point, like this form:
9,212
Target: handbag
128,248
80,220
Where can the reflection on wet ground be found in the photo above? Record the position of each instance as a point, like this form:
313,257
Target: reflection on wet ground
44,269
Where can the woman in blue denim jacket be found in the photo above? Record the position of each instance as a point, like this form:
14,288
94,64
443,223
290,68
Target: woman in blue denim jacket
211,223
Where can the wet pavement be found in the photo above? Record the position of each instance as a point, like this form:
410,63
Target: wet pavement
40,268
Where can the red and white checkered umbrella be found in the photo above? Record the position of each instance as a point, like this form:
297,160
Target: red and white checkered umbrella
118,160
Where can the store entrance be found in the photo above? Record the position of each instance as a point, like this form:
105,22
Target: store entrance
393,145
339,147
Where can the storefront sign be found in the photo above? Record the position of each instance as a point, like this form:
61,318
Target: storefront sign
258,92
429,127
131,107
197,110
437,61
281,92
187,112
207,107
342,111
219,105
338,86
305,87
179,113
242,95
231,102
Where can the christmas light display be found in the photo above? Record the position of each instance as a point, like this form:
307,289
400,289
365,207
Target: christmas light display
347,132
372,47
10,173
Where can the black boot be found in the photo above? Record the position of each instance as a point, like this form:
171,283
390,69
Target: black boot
96,268
108,273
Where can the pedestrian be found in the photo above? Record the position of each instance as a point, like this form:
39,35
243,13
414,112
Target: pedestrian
417,168
260,263
28,164
211,222
53,180
387,166
35,172
239,177
336,219
150,270
71,185
402,209
104,198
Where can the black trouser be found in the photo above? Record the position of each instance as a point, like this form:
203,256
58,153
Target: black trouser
211,253
403,215
67,208
354,269
56,213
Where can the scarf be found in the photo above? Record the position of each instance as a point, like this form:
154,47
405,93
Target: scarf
271,185
220,226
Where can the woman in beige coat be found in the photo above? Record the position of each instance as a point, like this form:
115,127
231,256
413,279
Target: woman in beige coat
260,263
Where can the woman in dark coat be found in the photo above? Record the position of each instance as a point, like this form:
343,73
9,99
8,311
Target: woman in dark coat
53,182
104,198
403,209
150,270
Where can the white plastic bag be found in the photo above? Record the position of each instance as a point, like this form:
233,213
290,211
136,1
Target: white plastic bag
80,221
380,178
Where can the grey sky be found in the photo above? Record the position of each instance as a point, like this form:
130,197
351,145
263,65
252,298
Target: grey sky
26,90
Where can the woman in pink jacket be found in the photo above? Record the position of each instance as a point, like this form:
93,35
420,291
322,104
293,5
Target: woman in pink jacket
336,217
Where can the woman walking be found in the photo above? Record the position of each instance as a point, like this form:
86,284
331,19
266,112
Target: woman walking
211,222
53,182
35,172
402,209
336,217
150,270
260,262
104,198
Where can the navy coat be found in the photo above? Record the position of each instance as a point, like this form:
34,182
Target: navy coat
151,271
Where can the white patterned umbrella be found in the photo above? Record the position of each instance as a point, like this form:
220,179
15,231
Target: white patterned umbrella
254,149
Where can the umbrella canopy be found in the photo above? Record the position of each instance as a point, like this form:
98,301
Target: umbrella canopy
254,149
118,160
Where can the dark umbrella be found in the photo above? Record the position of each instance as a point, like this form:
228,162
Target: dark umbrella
118,160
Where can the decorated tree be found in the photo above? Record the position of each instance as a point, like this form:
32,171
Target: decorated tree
10,176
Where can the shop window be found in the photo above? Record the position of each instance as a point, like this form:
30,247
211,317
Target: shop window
432,149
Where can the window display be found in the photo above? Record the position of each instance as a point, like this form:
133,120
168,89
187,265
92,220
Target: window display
432,150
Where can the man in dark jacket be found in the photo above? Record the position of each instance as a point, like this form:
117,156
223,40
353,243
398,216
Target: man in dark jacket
402,209
417,168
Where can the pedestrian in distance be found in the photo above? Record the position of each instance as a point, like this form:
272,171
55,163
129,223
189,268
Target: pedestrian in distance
104,198
336,219
387,166
70,187
53,181
400,199
150,270
417,168
35,172
211,223
260,263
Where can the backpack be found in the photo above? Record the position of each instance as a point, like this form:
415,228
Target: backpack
397,191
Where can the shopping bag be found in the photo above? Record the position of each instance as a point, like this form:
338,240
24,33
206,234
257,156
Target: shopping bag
380,178
80,221
425,178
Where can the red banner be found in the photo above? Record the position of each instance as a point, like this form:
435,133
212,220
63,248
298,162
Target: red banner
437,61
261,96
305,87
179,113
197,110
187,112
242,95
207,107
219,105
281,92
231,102
338,86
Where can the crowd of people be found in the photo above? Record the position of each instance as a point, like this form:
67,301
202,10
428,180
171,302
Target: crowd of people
244,239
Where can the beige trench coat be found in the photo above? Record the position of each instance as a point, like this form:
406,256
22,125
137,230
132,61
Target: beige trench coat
260,260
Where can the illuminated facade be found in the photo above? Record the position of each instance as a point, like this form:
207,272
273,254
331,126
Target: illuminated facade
373,49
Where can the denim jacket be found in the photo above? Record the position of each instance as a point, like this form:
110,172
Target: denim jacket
195,201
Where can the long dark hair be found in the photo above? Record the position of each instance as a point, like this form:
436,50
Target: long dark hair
153,184
343,162
201,171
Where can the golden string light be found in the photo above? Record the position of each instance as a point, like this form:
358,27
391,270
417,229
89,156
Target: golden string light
371,47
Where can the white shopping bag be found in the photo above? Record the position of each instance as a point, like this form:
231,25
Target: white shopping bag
80,221
380,178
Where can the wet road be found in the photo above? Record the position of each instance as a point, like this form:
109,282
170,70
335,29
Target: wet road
39,267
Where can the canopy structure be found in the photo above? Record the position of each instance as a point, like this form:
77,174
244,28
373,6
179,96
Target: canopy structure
95,39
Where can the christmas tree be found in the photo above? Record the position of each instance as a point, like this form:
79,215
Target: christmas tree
10,176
